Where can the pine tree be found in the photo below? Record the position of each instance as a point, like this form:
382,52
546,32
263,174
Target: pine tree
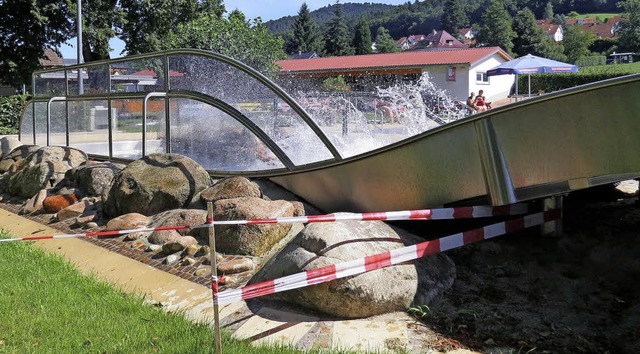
453,18
306,35
362,38
531,38
495,27
548,11
337,41
384,41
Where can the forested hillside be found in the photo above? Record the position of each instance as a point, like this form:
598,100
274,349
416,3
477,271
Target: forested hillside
424,16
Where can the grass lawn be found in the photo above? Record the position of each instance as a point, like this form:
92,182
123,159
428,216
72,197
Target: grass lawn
47,306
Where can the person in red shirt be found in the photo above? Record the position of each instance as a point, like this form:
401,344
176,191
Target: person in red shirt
481,101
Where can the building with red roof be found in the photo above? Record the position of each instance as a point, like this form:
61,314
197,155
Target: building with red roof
459,71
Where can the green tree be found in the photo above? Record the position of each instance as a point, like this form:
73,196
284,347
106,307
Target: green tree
496,27
337,41
548,11
629,34
26,29
362,37
530,38
257,47
453,17
384,42
147,24
577,42
306,36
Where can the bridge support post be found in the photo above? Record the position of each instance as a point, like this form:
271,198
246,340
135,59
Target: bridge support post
552,228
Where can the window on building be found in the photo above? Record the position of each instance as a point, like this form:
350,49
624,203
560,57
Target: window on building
451,73
482,78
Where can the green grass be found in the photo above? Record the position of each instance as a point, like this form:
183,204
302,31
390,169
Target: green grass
47,306
599,16
630,68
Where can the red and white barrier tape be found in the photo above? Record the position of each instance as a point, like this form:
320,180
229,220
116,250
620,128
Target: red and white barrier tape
423,214
381,260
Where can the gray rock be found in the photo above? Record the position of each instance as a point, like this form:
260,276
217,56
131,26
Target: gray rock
128,222
164,236
254,240
42,169
155,183
179,217
178,244
228,188
34,205
94,177
172,259
188,261
74,210
236,266
7,144
153,248
202,271
389,289
87,218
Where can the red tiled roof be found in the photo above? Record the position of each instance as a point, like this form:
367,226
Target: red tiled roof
51,59
404,59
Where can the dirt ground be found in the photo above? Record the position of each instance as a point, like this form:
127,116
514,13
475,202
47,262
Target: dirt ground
524,293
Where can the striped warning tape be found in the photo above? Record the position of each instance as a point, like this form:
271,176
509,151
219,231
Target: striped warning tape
423,214
381,260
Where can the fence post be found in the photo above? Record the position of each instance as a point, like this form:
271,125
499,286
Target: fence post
214,277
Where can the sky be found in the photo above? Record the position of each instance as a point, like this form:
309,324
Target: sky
265,9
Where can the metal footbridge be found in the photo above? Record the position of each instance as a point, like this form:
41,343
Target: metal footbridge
236,121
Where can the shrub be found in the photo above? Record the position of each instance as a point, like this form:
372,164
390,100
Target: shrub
11,108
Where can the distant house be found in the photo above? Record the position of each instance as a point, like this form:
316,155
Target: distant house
606,29
551,30
459,71
410,42
439,40
306,55
468,36
51,59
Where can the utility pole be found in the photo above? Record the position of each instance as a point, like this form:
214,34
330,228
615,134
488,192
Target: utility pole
80,60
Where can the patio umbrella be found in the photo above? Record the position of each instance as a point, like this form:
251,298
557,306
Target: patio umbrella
531,64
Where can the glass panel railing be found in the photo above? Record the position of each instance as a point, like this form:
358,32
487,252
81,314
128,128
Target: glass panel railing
127,135
58,123
156,126
50,84
97,81
26,125
41,123
254,100
141,75
89,130
216,140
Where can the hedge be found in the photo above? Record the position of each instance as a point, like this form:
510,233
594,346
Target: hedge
11,108
544,83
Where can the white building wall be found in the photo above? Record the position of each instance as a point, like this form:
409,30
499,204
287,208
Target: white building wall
498,87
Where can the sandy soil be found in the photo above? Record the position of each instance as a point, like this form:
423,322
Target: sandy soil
577,293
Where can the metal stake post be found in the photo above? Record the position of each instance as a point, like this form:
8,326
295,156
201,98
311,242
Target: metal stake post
214,278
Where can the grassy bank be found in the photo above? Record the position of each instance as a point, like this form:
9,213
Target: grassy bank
47,306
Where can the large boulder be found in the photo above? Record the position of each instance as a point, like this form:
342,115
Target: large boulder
155,183
254,240
44,168
7,144
228,188
394,288
94,178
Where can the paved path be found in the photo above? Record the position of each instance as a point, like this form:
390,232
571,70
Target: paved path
256,320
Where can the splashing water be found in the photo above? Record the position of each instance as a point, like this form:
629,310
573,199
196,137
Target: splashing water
357,122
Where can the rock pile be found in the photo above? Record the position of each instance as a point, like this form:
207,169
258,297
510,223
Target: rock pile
172,190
